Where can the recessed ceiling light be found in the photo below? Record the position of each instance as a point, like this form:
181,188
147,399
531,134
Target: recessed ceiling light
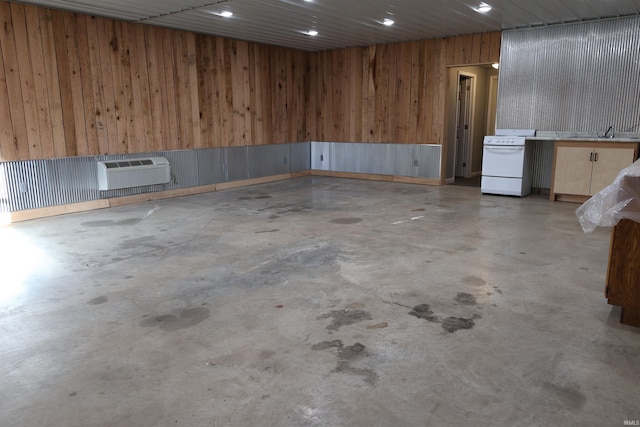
484,8
311,33
388,22
223,13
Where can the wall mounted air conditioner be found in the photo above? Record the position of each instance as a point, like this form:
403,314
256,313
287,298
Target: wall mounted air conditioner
115,174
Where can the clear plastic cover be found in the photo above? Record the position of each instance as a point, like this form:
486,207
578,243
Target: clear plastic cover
620,199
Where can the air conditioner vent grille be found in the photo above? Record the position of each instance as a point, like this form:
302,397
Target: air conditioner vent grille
116,174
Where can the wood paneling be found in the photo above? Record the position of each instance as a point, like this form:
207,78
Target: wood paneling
74,85
392,92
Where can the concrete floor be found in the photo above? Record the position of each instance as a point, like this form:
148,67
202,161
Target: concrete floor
315,301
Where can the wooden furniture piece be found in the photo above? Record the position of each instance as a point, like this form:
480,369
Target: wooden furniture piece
583,168
623,275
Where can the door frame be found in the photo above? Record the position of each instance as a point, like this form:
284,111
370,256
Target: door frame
467,154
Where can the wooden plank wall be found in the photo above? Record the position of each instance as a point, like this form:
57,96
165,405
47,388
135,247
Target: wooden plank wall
75,85
391,93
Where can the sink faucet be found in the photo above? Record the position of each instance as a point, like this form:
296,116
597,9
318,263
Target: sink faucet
608,133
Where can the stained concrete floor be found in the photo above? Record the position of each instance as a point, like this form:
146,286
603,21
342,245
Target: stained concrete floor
314,302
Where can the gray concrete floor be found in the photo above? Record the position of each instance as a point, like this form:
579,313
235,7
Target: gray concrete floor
315,301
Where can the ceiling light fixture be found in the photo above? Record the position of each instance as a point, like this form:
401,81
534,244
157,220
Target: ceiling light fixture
311,33
483,8
388,22
223,13
495,65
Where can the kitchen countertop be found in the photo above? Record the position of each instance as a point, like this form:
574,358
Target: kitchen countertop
577,139
584,136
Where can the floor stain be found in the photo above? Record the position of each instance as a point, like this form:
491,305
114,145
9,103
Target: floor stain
453,324
418,210
423,311
346,355
346,220
497,289
264,196
381,325
449,324
275,230
474,281
569,396
345,317
354,306
184,319
110,222
327,344
274,216
139,241
98,300
465,299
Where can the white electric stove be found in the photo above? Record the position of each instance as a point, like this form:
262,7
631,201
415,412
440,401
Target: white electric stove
506,162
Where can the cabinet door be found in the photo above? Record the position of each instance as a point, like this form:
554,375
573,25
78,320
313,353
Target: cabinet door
608,162
573,170
623,274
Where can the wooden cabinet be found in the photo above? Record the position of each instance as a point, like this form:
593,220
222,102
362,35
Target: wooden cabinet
623,275
583,168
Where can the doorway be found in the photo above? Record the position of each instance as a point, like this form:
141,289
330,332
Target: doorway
464,124
470,115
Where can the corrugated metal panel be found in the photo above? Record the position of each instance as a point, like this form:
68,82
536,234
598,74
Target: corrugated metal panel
343,23
571,78
184,168
212,165
405,160
237,163
428,156
300,156
26,185
73,180
542,160
321,155
421,160
267,160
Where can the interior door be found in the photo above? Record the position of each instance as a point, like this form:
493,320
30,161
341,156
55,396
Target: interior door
463,128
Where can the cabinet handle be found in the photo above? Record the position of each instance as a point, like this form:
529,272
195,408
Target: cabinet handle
591,157
595,159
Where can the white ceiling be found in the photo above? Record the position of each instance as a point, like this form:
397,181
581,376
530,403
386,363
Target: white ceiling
343,23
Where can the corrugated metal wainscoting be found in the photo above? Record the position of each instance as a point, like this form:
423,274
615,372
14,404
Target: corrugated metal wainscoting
41,183
419,161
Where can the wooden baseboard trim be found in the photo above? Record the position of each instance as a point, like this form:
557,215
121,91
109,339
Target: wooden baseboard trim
30,214
27,215
569,198
146,197
255,181
375,177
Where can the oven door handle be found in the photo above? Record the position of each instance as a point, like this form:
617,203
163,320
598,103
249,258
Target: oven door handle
503,149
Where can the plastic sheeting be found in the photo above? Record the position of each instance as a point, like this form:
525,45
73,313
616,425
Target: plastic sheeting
620,199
